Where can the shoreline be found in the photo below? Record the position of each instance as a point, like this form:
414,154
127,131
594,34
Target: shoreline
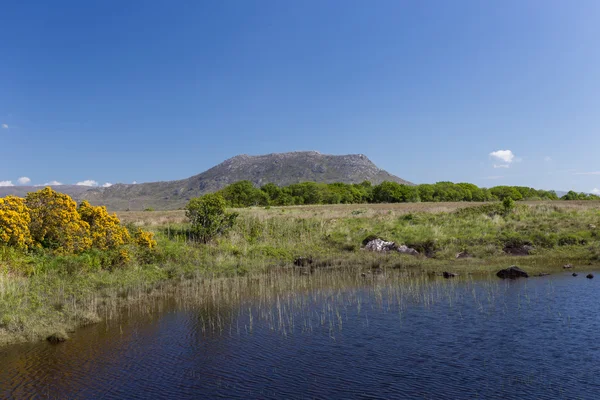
58,295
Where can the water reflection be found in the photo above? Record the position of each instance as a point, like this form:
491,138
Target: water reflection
331,336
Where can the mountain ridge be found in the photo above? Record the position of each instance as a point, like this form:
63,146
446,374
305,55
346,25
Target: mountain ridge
280,168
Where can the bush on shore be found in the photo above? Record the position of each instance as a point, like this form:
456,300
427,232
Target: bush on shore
48,221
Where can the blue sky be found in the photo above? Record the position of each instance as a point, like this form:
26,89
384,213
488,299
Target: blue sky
118,91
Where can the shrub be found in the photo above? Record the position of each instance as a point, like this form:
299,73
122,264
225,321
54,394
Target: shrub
570,240
547,240
144,239
508,205
55,222
106,230
14,223
209,217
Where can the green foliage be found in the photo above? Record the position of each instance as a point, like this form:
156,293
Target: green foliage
508,205
571,195
208,216
392,192
571,239
244,194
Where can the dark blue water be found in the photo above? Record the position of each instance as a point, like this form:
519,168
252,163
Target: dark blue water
525,339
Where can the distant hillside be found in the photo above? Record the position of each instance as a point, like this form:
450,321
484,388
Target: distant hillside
75,191
279,168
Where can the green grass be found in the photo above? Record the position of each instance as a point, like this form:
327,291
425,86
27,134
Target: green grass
41,294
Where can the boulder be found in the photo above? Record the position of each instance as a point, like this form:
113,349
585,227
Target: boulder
449,275
380,245
567,266
574,274
512,273
407,250
590,276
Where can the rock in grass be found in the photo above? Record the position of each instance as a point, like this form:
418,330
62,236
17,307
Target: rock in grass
568,266
449,275
590,276
380,245
407,250
58,337
513,272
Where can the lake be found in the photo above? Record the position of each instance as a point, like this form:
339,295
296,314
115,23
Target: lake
373,337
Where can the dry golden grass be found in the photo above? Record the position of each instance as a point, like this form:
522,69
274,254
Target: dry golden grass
161,218
152,218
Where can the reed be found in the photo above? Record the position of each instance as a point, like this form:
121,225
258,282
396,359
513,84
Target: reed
41,294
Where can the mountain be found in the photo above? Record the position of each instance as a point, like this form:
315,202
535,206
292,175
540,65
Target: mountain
279,168
75,191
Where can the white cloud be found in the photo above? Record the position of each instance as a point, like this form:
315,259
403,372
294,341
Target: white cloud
107,184
134,182
596,191
52,183
23,180
501,165
587,173
503,155
88,182
6,183
5,126
547,158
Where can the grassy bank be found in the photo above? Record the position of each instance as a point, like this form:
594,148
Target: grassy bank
41,294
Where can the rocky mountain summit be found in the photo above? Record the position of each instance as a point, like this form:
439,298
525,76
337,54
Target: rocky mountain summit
279,168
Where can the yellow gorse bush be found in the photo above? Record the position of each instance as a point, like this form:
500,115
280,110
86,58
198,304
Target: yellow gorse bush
106,230
144,239
14,223
55,222
52,220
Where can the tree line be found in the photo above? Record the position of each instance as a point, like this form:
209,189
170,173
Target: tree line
245,194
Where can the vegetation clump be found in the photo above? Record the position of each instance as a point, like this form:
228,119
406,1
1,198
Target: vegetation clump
245,194
55,222
106,230
208,216
144,239
14,223
50,221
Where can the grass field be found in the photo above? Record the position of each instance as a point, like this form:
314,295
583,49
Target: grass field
155,218
42,294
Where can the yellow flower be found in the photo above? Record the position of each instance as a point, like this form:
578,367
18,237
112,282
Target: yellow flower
14,223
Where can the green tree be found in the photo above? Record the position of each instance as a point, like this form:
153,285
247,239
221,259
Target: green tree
244,194
392,192
502,192
209,217
387,192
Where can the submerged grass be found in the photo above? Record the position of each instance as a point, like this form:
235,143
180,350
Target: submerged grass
41,294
